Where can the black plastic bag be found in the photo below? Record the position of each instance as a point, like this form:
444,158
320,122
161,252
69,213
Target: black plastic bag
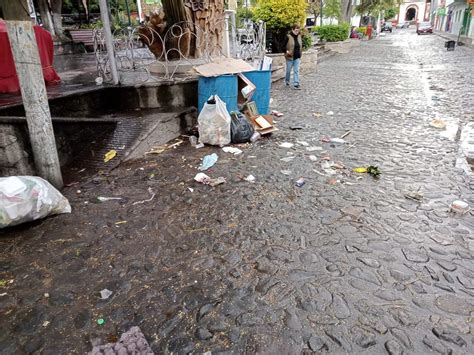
241,130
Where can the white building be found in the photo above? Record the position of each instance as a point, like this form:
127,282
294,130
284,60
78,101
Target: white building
414,11
455,17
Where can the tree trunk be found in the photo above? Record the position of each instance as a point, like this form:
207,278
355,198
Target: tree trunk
56,7
85,3
15,10
346,12
174,10
46,16
35,100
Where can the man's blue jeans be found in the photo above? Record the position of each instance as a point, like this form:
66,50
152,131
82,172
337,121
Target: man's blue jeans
295,65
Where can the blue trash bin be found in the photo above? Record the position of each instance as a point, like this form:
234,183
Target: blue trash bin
262,79
225,86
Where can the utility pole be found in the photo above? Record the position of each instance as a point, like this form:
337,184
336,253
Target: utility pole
33,91
128,13
321,12
109,44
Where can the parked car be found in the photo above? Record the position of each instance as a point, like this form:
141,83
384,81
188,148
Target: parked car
424,27
387,26
403,24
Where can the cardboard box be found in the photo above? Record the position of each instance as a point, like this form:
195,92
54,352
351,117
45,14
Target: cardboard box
250,109
222,66
268,124
246,89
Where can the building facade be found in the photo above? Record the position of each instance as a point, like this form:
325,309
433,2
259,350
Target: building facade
414,11
455,17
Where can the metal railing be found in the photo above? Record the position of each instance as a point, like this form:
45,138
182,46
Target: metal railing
142,50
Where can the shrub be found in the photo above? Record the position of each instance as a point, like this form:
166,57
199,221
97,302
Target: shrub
313,29
281,14
334,33
362,30
307,39
243,13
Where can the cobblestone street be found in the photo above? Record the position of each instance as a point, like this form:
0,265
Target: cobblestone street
344,264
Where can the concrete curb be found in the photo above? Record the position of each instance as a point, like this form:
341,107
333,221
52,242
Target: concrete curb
452,38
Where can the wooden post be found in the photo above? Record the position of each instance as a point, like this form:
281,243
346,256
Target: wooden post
109,44
15,10
35,101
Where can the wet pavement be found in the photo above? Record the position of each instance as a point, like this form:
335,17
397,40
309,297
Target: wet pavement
344,264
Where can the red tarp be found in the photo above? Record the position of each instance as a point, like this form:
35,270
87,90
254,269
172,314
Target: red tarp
8,77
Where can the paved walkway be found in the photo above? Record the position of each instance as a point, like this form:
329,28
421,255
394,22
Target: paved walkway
345,264
450,36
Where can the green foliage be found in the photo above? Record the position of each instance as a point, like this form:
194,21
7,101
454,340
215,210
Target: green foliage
334,33
332,8
243,13
390,13
91,26
374,7
314,7
313,29
362,30
307,39
281,14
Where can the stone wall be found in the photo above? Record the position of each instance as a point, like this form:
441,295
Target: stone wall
309,60
15,159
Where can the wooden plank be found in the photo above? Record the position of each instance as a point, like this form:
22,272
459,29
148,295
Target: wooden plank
35,100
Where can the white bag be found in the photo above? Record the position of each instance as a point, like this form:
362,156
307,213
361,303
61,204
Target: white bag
27,198
214,123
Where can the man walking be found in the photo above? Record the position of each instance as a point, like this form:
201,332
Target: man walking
294,46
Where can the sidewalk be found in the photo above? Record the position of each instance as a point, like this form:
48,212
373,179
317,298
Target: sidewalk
449,36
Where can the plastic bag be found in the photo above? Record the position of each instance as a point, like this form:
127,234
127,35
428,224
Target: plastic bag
27,198
241,129
214,123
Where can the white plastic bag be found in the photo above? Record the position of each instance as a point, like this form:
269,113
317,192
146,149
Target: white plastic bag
27,198
214,123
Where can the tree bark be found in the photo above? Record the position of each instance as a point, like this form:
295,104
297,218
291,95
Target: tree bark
85,3
56,7
35,100
346,6
46,16
175,11
15,10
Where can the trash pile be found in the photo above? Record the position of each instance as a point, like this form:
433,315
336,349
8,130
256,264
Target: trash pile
229,115
28,198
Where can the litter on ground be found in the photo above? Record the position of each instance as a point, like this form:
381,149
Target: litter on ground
314,149
300,182
250,178
110,155
304,144
232,150
208,161
438,123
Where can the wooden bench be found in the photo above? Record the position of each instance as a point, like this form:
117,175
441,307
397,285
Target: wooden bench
83,37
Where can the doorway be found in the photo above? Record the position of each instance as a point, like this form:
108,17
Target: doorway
410,14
